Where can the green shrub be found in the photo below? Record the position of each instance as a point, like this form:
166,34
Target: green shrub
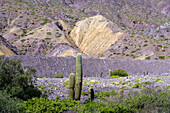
23,40
148,58
47,38
83,93
136,85
45,105
44,53
153,102
45,21
149,100
161,57
100,107
159,80
15,81
146,82
145,45
49,33
119,73
9,105
141,84
103,94
58,75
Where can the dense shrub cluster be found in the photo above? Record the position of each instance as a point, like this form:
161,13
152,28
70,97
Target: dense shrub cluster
142,102
15,82
118,73
9,105
45,105
15,85
102,95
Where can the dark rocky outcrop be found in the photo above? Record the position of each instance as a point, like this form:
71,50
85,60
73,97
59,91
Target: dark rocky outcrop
4,42
48,66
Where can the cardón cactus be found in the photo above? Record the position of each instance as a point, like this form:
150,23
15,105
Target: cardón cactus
79,76
71,84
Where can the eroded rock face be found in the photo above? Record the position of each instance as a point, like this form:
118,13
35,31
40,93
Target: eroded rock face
95,34
4,51
7,49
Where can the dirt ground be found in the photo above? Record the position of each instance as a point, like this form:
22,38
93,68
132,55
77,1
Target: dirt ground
58,86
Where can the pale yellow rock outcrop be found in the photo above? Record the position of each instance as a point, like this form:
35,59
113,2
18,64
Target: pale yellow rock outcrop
93,35
15,30
68,52
143,57
5,51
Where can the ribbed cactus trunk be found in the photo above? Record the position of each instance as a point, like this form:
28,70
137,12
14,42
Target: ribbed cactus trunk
71,85
79,76
91,94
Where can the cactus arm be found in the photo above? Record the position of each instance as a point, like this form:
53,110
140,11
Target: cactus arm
71,86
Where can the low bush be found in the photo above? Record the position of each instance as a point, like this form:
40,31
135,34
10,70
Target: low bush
119,73
147,101
103,94
83,93
161,57
154,102
159,80
9,105
45,105
58,75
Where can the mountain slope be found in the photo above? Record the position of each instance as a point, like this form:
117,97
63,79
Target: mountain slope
133,29
6,49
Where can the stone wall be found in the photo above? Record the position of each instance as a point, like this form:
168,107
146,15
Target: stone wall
48,66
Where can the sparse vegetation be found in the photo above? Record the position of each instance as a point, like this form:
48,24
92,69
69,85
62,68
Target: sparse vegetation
145,33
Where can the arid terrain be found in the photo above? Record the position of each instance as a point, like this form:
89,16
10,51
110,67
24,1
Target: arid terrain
115,52
115,29
133,35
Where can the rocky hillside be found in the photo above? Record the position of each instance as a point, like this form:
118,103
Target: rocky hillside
6,49
102,28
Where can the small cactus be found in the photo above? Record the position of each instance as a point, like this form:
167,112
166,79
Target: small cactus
79,76
71,85
110,73
121,91
91,94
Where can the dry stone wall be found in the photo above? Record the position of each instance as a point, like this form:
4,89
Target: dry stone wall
48,66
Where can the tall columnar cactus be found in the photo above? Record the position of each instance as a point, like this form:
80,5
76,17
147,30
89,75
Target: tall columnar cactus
79,76
71,84
91,94
110,73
